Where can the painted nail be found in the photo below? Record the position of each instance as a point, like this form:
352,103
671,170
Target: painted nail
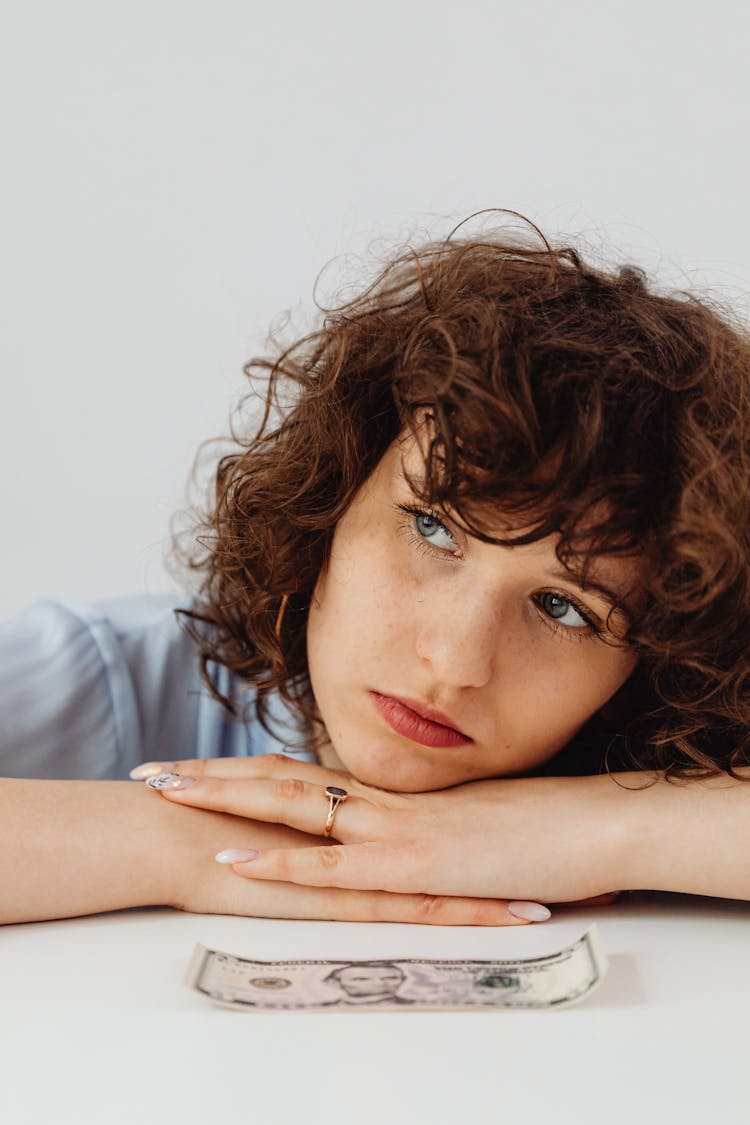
170,781
235,855
149,769
532,911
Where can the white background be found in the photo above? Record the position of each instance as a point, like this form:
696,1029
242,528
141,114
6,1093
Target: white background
176,174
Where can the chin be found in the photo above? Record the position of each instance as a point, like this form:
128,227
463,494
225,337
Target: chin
403,778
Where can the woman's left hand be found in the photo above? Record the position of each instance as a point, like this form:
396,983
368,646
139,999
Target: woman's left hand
548,839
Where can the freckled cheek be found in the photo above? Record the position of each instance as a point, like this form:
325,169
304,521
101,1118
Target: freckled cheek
375,637
352,632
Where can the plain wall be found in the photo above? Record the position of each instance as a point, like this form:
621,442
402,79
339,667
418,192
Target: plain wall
176,174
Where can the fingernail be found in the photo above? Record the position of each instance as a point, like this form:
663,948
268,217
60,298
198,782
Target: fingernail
532,911
170,781
148,769
235,855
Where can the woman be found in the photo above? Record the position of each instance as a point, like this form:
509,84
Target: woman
494,451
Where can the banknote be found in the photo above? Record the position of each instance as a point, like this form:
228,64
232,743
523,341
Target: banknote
556,980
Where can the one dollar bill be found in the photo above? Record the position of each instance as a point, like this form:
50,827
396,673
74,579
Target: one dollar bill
556,980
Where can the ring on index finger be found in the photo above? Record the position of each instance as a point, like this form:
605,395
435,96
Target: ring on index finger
335,797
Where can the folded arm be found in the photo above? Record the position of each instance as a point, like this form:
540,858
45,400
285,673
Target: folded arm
83,847
78,847
687,836
72,848
549,839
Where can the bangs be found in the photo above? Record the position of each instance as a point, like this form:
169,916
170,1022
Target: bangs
521,500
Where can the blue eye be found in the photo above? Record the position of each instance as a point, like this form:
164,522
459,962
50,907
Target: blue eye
429,527
563,607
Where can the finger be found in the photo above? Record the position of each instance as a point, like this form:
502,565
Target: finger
284,900
289,800
263,765
366,866
363,867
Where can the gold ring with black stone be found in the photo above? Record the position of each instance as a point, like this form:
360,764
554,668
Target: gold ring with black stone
335,797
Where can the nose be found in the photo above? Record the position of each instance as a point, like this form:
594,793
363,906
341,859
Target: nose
457,636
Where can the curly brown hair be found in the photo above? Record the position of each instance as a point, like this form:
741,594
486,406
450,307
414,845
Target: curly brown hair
525,357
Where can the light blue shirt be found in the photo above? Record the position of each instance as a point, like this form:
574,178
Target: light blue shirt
91,690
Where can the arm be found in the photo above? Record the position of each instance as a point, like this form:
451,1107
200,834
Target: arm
692,837
550,839
83,847
76,847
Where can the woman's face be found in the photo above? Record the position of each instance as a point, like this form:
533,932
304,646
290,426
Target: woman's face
412,608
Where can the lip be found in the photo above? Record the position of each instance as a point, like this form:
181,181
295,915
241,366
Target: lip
419,723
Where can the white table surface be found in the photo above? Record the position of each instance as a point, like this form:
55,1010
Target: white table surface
97,1026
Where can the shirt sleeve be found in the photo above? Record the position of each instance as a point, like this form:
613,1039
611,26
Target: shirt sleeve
90,690
58,716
